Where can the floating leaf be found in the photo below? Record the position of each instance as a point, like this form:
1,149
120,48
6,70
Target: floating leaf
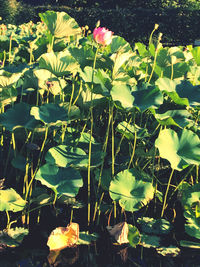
150,241
10,200
119,232
181,149
189,244
63,181
63,237
13,237
86,238
131,190
152,226
170,251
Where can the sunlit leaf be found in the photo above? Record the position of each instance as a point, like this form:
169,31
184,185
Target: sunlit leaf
10,200
181,149
133,235
150,241
170,251
130,188
60,24
59,64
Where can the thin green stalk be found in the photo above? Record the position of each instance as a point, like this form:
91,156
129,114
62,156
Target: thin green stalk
102,165
79,92
90,142
72,95
166,193
8,219
10,49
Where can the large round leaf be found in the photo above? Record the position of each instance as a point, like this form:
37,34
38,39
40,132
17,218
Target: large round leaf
147,96
180,149
60,24
49,113
59,63
10,200
122,94
131,190
65,156
63,181
179,118
18,116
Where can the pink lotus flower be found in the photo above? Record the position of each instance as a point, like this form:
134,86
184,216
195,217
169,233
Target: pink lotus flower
102,36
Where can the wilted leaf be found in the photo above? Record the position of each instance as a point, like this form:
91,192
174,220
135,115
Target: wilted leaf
119,232
63,237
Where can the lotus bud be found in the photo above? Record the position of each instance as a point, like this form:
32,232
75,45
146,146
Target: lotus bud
102,36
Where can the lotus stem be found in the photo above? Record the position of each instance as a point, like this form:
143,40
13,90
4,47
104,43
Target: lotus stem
166,193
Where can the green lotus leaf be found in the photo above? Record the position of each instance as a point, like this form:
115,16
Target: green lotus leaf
19,162
106,178
122,94
18,116
10,200
101,80
8,95
192,225
86,239
192,93
180,149
7,79
60,24
118,46
63,181
189,244
131,190
65,156
178,118
190,195
50,113
150,241
129,130
13,237
196,54
83,55
166,84
147,96
152,226
133,235
59,64
170,251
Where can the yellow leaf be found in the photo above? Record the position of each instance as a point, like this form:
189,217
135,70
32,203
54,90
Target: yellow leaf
63,237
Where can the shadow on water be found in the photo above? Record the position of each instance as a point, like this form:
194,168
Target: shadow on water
33,252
